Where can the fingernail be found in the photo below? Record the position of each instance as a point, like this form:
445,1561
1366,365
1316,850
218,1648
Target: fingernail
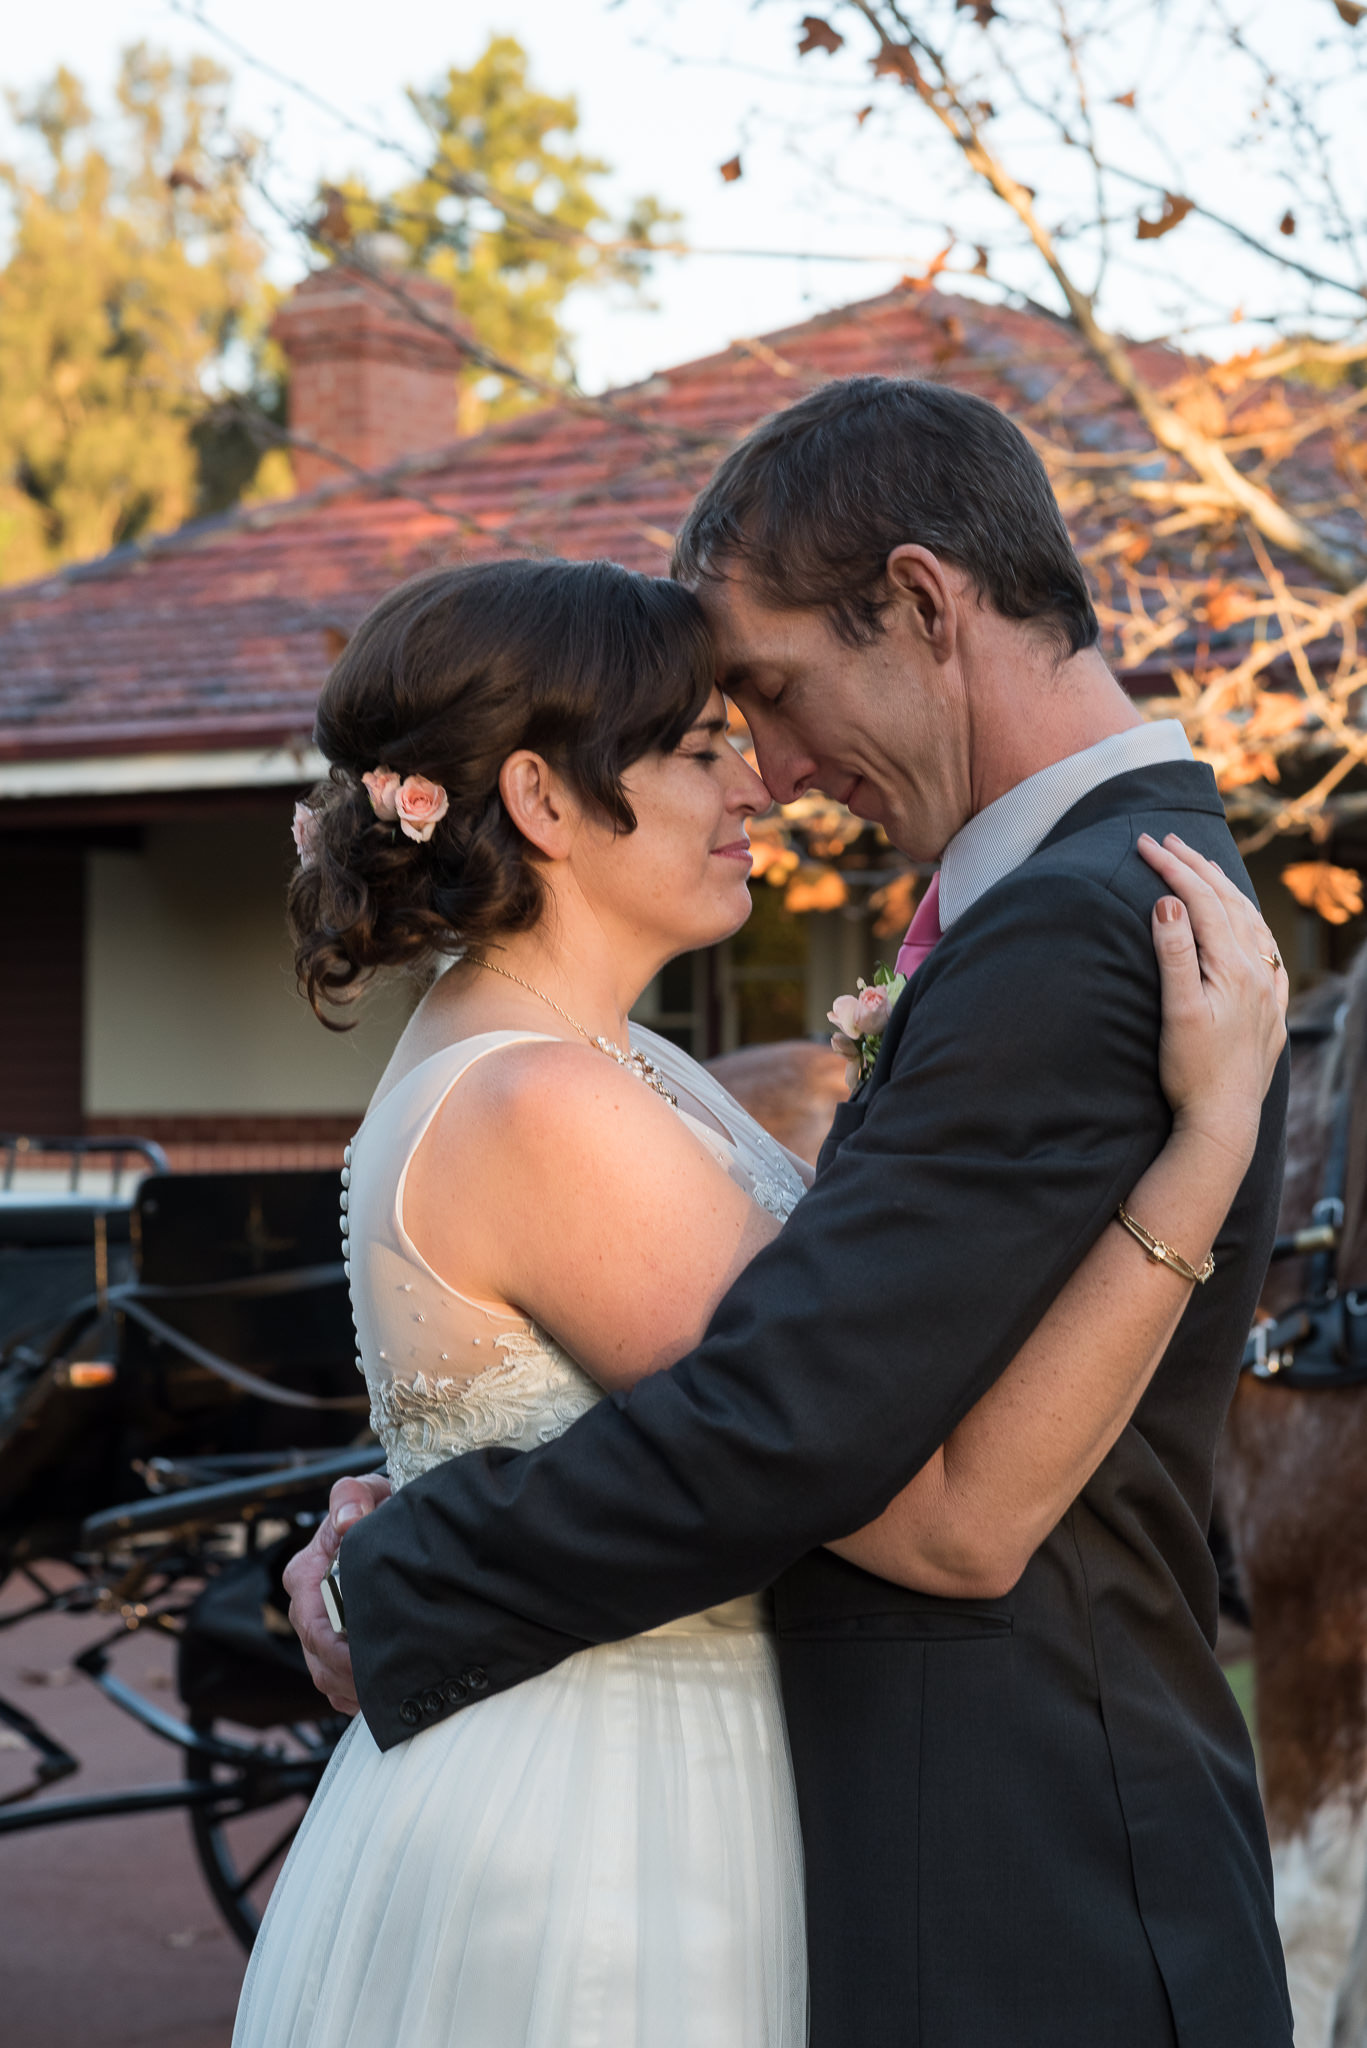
348,1514
1169,910
1173,840
1147,839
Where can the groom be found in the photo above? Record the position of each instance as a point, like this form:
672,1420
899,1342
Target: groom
1030,1821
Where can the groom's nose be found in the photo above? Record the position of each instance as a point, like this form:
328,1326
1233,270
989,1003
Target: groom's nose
785,771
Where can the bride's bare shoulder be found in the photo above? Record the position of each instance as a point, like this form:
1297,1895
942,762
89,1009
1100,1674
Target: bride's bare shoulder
553,1105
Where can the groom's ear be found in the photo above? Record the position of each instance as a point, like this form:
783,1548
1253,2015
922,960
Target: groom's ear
928,594
536,800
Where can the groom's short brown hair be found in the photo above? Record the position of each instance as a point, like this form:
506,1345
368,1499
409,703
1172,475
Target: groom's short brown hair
813,502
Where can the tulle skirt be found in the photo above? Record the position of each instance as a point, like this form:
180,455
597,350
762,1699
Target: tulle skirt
605,1857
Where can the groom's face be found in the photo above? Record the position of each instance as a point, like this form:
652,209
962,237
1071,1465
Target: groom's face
883,728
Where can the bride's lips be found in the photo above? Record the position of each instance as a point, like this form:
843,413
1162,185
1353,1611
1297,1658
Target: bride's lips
739,849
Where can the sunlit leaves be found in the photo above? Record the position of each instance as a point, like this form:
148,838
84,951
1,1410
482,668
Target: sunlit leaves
1335,894
130,274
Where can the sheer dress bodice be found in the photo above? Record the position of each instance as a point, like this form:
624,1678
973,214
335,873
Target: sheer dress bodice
447,1374
608,1852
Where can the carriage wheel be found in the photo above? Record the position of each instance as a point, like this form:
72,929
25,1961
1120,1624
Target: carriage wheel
242,1839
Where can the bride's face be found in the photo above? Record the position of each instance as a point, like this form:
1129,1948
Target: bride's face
678,881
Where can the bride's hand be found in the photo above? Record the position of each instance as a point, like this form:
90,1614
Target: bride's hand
1225,993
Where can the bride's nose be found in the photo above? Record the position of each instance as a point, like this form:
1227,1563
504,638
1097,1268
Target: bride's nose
748,795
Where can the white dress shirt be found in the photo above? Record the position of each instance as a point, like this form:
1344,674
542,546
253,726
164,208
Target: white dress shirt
1007,832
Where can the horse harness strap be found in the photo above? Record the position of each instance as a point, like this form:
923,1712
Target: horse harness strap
1321,1343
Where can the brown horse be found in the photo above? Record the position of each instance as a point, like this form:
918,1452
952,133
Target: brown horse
1291,1483
1292,1477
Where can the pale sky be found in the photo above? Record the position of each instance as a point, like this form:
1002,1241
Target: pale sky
668,90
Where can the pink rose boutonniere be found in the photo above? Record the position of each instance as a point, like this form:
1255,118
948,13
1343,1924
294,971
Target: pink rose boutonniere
860,1021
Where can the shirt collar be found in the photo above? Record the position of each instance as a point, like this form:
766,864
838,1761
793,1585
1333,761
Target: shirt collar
1007,832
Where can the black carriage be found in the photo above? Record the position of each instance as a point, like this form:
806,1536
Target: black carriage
177,1394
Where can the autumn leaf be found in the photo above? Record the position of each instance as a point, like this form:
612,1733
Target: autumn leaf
814,888
819,35
730,170
1287,224
982,10
1275,713
334,223
1175,211
1226,604
1335,894
1123,99
927,278
894,60
1200,407
1349,11
862,116
1237,770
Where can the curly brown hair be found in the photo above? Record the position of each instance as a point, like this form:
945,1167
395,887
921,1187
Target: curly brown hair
588,664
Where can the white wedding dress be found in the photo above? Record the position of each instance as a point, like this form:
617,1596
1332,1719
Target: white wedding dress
606,1856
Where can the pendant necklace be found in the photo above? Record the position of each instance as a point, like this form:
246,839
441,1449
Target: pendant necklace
635,1062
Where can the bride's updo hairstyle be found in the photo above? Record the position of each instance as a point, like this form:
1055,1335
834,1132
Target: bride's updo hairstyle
590,665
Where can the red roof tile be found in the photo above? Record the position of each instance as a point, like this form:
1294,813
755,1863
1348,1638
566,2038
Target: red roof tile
221,634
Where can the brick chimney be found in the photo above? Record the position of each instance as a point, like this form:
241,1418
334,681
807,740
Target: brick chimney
367,379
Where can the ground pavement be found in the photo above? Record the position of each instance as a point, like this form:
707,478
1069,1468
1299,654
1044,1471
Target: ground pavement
108,1936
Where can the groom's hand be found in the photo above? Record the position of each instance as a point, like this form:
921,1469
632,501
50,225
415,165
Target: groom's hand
325,1652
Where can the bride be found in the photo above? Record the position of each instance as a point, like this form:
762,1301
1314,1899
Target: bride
531,775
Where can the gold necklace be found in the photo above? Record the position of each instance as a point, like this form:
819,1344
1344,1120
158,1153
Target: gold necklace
635,1062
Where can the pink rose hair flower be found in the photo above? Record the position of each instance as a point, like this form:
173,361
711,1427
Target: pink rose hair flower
305,829
382,787
421,807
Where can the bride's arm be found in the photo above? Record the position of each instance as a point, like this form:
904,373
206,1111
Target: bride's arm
970,1521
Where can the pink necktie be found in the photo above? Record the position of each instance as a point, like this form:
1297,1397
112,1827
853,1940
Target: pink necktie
922,932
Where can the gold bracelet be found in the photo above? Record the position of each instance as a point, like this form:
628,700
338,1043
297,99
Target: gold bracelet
1161,1254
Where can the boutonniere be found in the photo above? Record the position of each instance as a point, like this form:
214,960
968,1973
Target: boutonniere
861,1019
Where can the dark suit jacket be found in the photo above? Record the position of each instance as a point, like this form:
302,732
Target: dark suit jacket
1030,1822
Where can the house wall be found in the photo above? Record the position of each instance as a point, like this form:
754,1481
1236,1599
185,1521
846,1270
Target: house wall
41,889
190,1006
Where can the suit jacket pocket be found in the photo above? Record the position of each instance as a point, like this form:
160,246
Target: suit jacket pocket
825,1598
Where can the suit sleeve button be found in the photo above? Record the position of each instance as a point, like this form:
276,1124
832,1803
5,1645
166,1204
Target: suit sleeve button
454,1691
432,1701
410,1713
476,1678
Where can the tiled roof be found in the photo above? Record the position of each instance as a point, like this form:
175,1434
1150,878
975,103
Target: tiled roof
220,635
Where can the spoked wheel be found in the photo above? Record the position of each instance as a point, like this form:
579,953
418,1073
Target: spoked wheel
243,1837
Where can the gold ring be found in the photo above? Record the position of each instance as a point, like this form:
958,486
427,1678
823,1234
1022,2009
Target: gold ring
1274,961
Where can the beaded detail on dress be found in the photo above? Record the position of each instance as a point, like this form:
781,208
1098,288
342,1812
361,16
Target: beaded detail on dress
412,1326
529,1396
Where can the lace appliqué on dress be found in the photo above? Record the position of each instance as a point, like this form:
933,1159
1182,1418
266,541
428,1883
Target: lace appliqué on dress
779,1192
529,1396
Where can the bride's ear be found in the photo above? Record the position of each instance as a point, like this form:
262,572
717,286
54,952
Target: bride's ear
538,803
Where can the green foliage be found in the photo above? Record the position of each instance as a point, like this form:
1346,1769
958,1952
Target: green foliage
130,275
509,281
134,308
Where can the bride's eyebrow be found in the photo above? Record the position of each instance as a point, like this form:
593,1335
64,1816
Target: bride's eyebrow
710,727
